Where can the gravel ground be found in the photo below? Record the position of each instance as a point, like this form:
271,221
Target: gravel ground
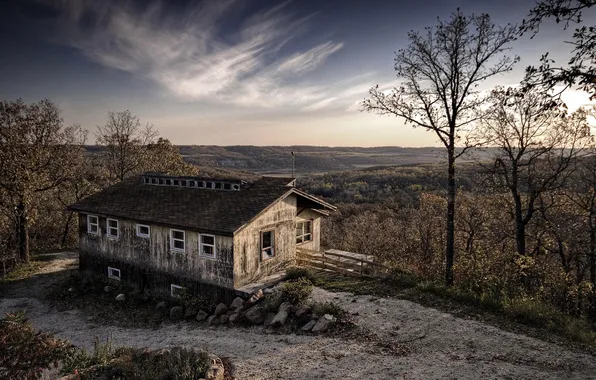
442,346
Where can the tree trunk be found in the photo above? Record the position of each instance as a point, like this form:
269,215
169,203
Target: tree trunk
591,223
450,248
23,232
520,226
66,230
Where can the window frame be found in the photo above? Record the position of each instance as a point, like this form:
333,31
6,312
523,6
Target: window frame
172,239
304,234
89,224
201,244
111,274
272,247
108,232
141,235
177,287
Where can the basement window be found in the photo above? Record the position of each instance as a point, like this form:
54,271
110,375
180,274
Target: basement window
143,230
114,273
112,228
207,246
176,291
192,183
303,231
177,240
267,244
93,224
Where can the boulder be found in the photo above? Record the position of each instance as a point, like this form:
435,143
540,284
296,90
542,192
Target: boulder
269,319
107,288
254,298
201,316
268,291
176,313
282,315
238,303
220,309
309,325
213,320
302,310
190,312
255,315
161,306
120,297
235,317
323,323
223,319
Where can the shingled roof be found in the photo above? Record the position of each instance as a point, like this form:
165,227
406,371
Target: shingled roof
205,210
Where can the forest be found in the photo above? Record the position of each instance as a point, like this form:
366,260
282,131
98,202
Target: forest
515,224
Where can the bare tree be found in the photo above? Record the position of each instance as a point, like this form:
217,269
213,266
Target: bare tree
37,154
440,72
537,143
125,141
581,67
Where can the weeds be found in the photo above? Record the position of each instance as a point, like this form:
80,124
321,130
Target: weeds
23,270
297,291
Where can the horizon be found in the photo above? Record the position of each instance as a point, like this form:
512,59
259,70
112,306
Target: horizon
227,73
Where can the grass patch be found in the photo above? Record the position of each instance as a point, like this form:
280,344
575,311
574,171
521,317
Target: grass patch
520,315
23,270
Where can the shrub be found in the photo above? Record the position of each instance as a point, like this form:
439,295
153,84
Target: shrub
297,291
81,359
24,353
329,307
295,273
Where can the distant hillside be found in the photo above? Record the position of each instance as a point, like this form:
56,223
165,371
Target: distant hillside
309,159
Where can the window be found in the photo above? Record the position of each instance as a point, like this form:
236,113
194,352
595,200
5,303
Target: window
92,224
227,186
169,182
147,180
303,231
236,187
176,182
154,181
192,183
143,230
177,241
183,182
209,185
267,244
114,273
200,184
112,228
176,290
218,185
161,181
207,245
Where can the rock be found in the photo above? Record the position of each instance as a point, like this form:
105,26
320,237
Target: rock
120,297
282,315
224,319
238,303
330,317
107,288
309,325
201,316
213,320
176,313
302,310
161,306
71,289
220,309
255,315
254,298
268,319
303,319
268,291
321,325
190,313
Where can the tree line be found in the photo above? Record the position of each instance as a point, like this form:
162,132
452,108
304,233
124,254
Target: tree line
44,167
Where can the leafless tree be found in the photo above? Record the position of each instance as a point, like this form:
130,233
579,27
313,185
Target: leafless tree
538,143
37,154
441,70
125,141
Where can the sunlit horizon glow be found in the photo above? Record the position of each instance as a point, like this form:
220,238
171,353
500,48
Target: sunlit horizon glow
234,72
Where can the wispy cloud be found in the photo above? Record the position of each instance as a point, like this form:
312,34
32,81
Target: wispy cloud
191,56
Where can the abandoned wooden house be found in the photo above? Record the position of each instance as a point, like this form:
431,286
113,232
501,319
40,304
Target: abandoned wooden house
210,237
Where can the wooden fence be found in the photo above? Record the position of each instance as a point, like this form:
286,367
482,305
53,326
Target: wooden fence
347,263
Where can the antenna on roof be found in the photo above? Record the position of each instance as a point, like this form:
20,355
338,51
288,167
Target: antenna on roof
293,164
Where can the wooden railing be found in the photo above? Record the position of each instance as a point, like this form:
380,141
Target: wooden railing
349,264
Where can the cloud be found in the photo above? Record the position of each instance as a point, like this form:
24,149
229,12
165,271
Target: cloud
191,55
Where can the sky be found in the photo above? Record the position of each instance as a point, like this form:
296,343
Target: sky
235,72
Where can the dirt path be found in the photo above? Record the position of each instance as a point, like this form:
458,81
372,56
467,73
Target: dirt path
443,347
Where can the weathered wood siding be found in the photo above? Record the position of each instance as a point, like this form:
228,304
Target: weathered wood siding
248,263
154,253
315,243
